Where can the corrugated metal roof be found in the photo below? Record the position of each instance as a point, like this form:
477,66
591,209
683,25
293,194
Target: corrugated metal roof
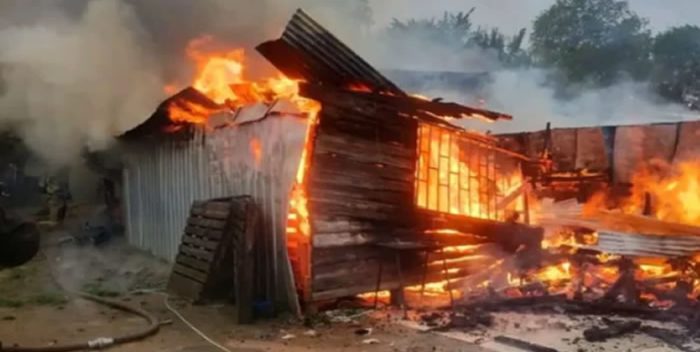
309,52
160,123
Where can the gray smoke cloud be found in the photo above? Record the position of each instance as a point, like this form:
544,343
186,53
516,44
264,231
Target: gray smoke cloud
75,73
75,82
523,92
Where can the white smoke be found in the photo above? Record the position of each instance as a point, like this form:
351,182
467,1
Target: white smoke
524,93
72,83
78,72
533,104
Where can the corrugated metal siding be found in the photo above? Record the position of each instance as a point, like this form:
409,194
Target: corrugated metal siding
162,180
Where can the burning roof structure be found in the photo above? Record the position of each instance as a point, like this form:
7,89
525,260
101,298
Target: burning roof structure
339,159
364,188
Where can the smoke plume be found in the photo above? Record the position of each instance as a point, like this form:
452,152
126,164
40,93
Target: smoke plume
70,83
76,73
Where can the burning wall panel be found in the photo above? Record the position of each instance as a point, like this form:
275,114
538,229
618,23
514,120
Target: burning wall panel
362,190
636,144
360,182
590,149
564,142
163,177
461,176
688,147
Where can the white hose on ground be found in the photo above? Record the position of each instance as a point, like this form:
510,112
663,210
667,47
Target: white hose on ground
185,321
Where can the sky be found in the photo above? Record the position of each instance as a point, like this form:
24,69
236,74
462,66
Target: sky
512,15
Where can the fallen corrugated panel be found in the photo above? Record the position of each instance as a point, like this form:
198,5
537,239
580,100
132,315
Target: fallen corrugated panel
647,245
308,52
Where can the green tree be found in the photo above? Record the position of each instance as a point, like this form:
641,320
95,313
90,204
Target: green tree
454,30
509,50
592,41
676,73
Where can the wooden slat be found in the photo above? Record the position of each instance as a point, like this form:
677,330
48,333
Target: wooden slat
200,242
210,213
344,239
196,252
339,224
337,177
365,210
208,223
366,152
214,235
362,169
193,274
193,262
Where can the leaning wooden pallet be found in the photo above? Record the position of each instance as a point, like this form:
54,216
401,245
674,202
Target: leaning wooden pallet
218,237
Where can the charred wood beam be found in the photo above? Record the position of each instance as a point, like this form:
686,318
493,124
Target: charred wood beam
614,329
510,236
408,104
671,338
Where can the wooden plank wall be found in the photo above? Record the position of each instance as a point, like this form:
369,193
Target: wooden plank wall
360,182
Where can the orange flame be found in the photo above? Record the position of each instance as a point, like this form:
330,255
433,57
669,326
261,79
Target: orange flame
221,77
452,179
256,149
674,192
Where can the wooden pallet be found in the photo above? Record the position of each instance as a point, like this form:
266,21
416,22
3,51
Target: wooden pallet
204,266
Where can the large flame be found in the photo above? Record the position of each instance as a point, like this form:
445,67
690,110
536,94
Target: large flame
668,192
220,75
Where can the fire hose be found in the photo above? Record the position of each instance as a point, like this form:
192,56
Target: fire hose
101,342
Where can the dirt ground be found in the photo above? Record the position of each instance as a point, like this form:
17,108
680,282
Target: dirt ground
34,311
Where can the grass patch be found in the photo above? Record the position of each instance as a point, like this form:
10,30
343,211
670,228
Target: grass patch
10,303
48,299
96,289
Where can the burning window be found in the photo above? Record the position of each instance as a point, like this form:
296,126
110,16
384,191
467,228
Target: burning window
462,176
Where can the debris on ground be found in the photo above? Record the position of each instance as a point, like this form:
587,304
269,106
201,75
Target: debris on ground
370,341
614,329
523,345
288,336
363,331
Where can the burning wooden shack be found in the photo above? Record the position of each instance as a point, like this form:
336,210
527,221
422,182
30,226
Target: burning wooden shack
339,161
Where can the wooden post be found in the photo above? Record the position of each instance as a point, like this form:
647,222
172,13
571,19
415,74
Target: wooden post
244,260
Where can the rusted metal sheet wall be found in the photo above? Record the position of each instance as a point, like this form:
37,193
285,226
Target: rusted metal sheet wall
161,180
628,148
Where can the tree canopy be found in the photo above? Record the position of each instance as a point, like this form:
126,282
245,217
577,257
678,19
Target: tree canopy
456,31
592,41
676,73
